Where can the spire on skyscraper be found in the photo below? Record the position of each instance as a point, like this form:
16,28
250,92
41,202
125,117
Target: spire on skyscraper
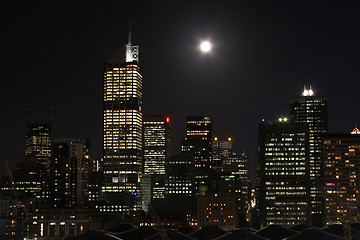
129,36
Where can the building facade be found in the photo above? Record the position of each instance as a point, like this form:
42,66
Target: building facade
341,177
180,176
69,173
221,149
235,179
284,182
198,142
38,142
311,109
156,148
219,210
122,143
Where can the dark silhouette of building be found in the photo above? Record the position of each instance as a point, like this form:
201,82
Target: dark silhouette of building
69,173
198,142
180,172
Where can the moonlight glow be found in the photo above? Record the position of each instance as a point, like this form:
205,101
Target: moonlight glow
205,46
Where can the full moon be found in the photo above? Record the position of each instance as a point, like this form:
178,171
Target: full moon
205,46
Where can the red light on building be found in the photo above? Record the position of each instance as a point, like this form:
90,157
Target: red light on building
167,119
330,184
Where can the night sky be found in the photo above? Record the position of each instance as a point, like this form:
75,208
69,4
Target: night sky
264,53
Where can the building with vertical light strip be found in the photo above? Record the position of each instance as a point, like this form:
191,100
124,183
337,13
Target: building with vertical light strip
311,109
342,176
284,183
122,132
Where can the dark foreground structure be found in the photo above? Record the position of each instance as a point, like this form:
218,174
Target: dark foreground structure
212,232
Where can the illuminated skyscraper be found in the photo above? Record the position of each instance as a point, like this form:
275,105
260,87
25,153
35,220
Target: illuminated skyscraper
311,109
122,131
284,182
198,142
157,146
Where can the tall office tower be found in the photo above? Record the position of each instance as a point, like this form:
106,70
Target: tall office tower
221,149
38,142
284,182
32,174
341,176
69,174
122,131
198,142
156,147
311,109
157,144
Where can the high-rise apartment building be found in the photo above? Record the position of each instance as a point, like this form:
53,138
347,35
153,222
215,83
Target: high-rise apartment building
122,131
156,148
311,109
284,183
342,176
69,173
198,142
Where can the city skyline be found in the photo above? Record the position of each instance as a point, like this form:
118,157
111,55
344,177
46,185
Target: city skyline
263,55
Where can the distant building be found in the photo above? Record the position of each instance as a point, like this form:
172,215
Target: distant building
69,173
219,210
311,109
122,132
235,179
156,147
38,142
54,224
32,175
198,142
221,149
341,176
180,176
284,183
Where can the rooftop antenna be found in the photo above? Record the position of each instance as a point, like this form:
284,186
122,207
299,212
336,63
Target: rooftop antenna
129,37
26,113
51,114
